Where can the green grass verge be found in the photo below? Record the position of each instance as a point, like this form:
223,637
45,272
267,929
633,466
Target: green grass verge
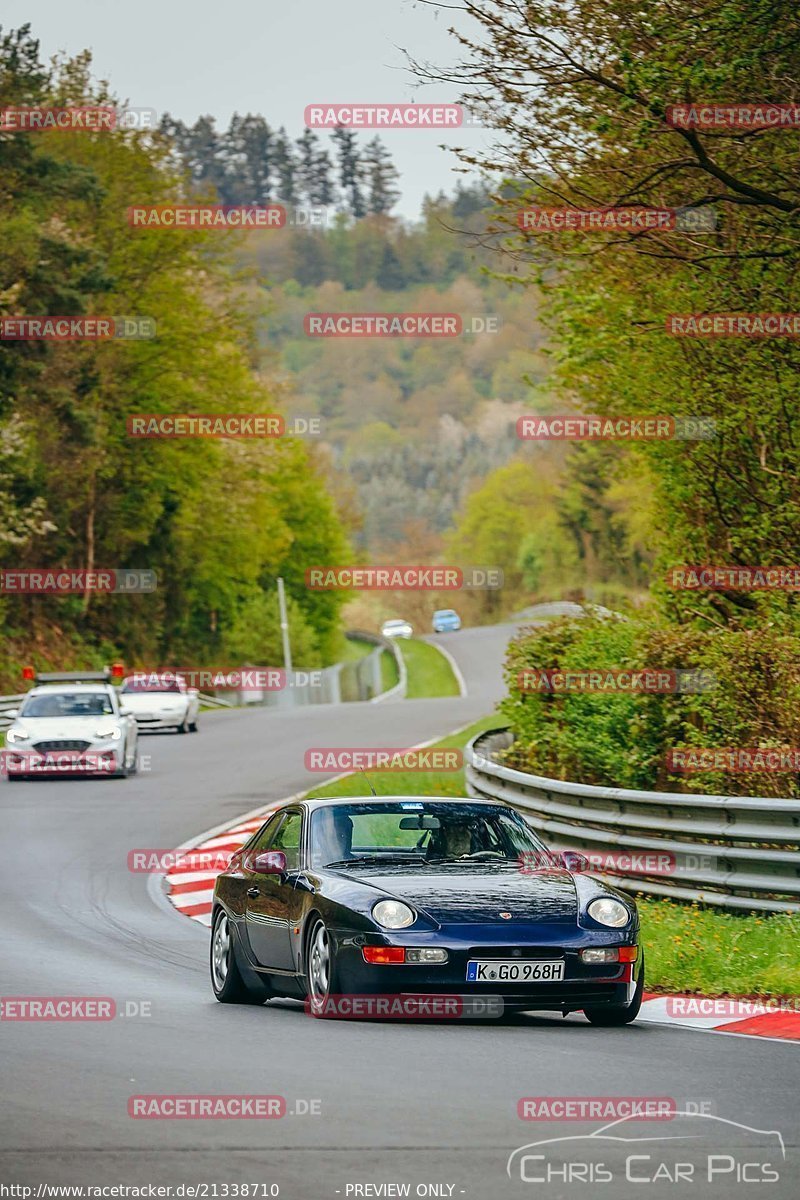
354,649
390,672
689,948
695,949
429,673
411,783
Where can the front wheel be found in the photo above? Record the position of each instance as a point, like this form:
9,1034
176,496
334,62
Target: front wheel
623,1014
321,971
226,978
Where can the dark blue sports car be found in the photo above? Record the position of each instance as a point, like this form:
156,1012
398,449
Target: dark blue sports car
411,897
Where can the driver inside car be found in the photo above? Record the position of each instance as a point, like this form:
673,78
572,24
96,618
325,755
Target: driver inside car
455,839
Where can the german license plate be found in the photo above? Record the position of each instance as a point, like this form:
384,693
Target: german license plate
514,970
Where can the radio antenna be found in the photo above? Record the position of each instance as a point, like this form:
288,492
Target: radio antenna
369,781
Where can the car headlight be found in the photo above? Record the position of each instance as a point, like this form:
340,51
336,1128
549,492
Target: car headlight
393,914
107,734
17,735
607,911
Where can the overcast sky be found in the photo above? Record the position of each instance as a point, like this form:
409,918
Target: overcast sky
272,58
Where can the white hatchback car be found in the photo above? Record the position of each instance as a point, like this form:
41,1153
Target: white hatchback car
161,700
71,725
397,628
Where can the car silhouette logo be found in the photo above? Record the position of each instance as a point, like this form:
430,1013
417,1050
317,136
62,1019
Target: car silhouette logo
506,916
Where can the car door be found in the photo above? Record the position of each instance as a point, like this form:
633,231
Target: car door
271,900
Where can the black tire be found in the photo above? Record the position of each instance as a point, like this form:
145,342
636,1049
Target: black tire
193,727
182,728
226,978
17,778
133,769
322,975
624,1014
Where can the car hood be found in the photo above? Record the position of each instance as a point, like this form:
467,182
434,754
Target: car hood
467,894
145,702
47,729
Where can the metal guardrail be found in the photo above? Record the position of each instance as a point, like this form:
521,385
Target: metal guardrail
382,643
6,703
735,852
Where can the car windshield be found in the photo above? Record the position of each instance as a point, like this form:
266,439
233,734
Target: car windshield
445,612
147,685
421,833
68,704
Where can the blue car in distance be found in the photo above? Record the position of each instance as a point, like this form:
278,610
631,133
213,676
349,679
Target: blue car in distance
446,620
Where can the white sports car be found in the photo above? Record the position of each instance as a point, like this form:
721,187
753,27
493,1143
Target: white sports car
162,701
75,727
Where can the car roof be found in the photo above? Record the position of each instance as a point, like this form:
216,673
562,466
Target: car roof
330,801
48,689
445,612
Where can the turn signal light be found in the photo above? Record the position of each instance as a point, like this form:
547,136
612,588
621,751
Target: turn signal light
384,955
609,954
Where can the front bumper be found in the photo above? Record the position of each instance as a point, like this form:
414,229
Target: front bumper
583,984
167,720
94,761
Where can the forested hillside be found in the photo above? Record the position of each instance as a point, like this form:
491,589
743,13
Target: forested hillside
216,520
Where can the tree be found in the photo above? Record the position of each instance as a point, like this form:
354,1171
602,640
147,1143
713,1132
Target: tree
248,151
285,168
350,171
313,170
381,176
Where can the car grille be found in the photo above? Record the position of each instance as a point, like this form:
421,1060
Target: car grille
56,747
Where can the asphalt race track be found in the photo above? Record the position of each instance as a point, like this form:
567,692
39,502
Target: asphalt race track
406,1103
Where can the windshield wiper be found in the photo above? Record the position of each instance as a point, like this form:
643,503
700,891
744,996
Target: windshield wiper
345,862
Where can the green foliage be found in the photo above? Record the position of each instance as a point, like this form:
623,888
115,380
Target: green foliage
216,520
624,739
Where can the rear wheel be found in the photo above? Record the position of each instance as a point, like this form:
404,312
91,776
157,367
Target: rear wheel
226,978
193,727
622,1014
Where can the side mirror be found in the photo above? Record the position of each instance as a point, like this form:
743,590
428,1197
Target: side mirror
11,714
126,712
193,691
271,862
573,861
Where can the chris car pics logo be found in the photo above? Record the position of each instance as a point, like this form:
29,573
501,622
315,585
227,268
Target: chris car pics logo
696,1148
